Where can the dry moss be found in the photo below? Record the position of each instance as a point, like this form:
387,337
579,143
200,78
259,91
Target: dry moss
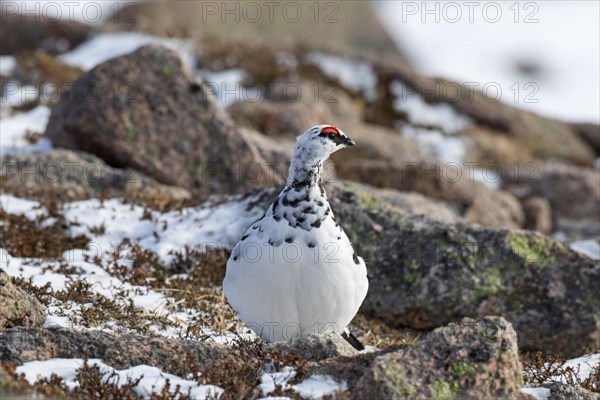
372,332
552,368
23,237
92,384
239,374
46,69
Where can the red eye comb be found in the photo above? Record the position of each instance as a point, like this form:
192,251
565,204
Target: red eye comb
331,129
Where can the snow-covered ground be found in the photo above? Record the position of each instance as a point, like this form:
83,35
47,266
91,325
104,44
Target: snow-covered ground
584,365
433,126
104,46
589,247
543,56
201,227
314,387
356,75
15,129
208,224
152,379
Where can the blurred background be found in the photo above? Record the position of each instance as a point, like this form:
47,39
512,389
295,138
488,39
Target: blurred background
137,136
553,45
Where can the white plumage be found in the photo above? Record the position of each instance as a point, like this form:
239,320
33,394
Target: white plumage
294,272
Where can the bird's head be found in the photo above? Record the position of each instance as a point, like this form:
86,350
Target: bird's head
320,141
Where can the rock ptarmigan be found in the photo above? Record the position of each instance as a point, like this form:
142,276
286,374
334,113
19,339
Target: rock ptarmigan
294,272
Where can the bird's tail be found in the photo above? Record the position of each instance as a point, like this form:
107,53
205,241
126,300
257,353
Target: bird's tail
354,342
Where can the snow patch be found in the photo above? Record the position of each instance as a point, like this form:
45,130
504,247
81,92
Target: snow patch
270,380
585,364
538,393
421,113
15,128
314,387
227,85
105,46
18,206
202,227
449,149
7,65
488,177
319,386
205,226
589,247
356,75
152,379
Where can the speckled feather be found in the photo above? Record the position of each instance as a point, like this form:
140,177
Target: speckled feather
294,272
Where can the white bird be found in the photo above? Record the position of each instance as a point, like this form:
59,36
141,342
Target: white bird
294,272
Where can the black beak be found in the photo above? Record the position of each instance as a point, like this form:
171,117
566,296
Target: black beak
350,142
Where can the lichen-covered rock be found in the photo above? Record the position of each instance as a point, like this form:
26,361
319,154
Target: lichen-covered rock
589,133
560,391
573,192
493,208
30,31
73,175
425,273
18,308
401,202
147,111
538,214
541,137
315,348
473,359
397,168
20,345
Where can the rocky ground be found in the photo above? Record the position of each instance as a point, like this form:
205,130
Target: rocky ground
132,163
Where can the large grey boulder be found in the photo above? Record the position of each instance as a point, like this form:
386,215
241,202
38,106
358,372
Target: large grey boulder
147,111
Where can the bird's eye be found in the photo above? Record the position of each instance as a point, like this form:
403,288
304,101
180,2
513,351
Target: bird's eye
331,130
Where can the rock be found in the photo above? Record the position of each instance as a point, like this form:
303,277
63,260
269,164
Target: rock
539,137
386,159
573,192
401,202
21,32
74,175
148,112
17,307
589,133
271,25
39,68
379,156
538,214
276,153
526,396
478,203
494,208
471,359
425,273
571,230
560,391
316,348
494,149
178,357
294,108
382,158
